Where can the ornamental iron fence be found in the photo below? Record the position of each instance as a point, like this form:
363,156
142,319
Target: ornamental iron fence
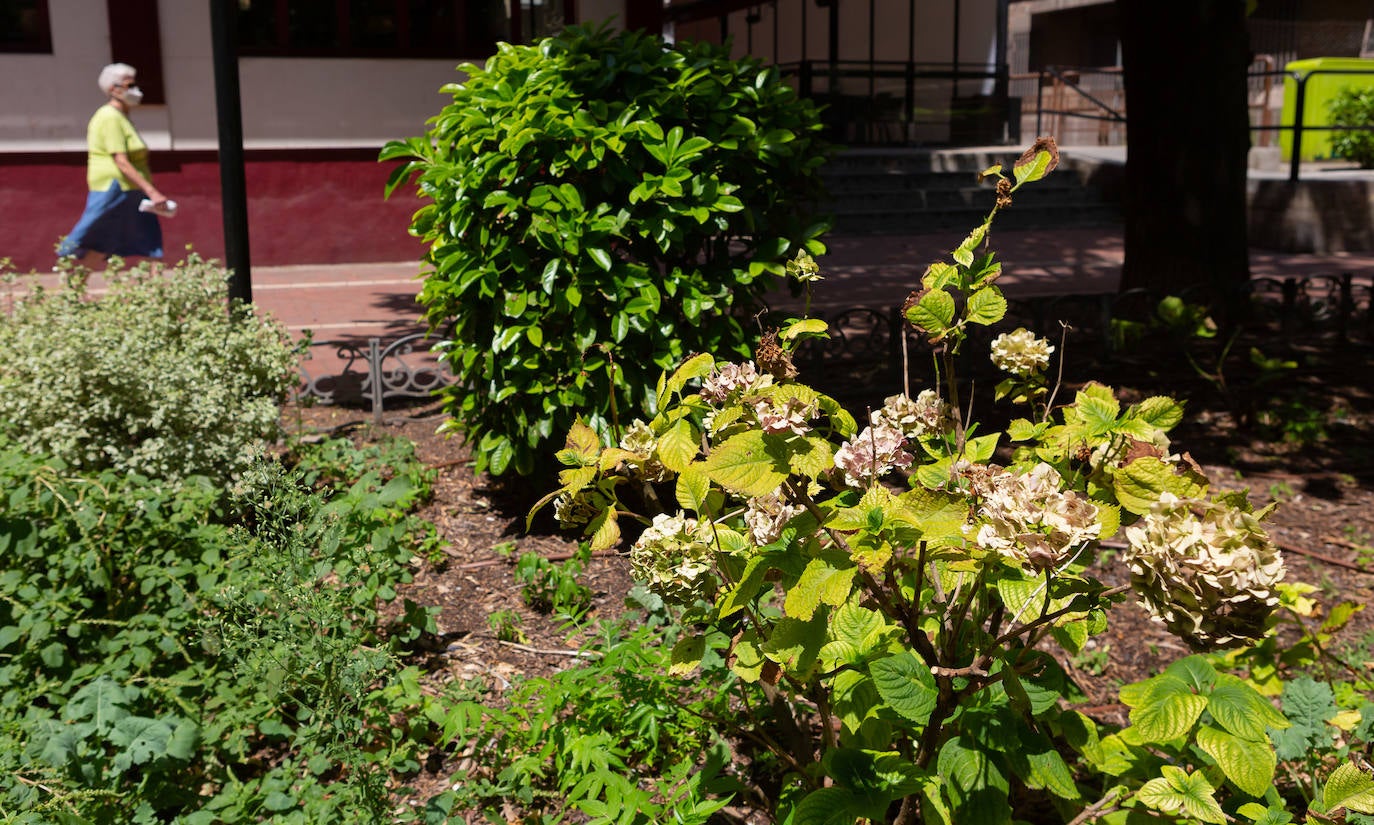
870,349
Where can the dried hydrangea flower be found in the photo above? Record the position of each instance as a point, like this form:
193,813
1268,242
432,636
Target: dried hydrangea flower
576,509
793,416
673,560
729,381
1031,520
871,454
1208,571
920,417
803,268
1020,352
639,440
767,515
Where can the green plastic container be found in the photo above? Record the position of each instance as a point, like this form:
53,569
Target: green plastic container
1321,89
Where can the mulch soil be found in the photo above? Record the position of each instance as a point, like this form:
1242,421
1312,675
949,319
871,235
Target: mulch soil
1322,476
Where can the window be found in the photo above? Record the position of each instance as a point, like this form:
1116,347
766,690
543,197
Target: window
24,26
384,28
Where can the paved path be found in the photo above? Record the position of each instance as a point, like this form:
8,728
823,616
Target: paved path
351,303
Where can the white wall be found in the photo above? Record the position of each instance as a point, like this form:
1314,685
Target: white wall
46,99
286,102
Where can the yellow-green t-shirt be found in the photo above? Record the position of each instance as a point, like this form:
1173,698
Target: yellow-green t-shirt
110,132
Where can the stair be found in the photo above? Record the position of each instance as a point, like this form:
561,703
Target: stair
901,191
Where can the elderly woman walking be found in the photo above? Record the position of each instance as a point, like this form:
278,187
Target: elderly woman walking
119,179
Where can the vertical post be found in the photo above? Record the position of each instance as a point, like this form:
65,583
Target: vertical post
374,377
1298,105
233,190
1001,87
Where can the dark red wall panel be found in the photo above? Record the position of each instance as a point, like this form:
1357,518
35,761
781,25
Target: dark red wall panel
304,206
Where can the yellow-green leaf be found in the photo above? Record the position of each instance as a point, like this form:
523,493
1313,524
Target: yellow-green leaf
605,530
1349,788
745,465
692,487
1249,764
686,655
986,306
934,312
678,446
820,583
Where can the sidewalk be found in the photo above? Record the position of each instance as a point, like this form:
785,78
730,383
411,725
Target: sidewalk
351,303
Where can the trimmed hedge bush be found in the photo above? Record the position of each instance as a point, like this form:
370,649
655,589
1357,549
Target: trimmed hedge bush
601,205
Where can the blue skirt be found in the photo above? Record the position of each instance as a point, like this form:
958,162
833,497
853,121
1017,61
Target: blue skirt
112,225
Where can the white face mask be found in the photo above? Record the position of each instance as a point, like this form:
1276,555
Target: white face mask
132,95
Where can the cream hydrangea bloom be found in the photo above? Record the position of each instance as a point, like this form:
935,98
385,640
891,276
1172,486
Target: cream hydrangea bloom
673,559
1020,352
766,516
919,417
1030,520
792,416
1207,571
729,381
872,454
639,440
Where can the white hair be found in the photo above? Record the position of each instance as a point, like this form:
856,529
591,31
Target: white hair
112,74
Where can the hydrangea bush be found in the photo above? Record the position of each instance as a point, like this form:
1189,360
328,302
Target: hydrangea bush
157,375
900,583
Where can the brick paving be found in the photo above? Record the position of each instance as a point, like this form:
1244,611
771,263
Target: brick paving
351,303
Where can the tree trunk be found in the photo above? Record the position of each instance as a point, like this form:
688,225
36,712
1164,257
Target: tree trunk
1187,135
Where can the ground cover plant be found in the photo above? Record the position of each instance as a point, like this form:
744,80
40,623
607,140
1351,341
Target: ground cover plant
601,205
173,652
908,632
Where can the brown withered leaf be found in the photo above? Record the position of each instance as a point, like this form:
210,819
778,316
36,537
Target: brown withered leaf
773,359
1045,143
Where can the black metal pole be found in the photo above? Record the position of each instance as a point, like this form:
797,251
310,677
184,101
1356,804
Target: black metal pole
233,189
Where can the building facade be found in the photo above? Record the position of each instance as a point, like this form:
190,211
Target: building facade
323,85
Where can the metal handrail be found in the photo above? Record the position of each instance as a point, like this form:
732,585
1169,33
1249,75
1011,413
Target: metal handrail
1298,127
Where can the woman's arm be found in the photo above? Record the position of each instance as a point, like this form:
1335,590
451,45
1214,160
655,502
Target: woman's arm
128,170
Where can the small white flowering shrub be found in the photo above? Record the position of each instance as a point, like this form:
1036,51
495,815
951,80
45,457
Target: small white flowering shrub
900,585
155,376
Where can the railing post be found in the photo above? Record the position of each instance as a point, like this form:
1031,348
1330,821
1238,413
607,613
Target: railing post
374,377
1295,162
1039,102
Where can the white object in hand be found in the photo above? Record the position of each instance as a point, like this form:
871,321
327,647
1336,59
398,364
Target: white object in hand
167,209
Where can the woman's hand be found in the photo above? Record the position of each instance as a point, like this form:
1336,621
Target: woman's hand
129,171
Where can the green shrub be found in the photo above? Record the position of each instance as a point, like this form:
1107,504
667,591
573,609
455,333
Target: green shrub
1353,107
602,205
154,377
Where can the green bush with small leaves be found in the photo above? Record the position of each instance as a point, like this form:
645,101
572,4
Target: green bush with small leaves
1353,107
600,206
156,376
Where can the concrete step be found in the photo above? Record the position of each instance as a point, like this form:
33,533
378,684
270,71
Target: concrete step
904,190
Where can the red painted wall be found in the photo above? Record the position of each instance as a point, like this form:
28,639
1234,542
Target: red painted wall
304,206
